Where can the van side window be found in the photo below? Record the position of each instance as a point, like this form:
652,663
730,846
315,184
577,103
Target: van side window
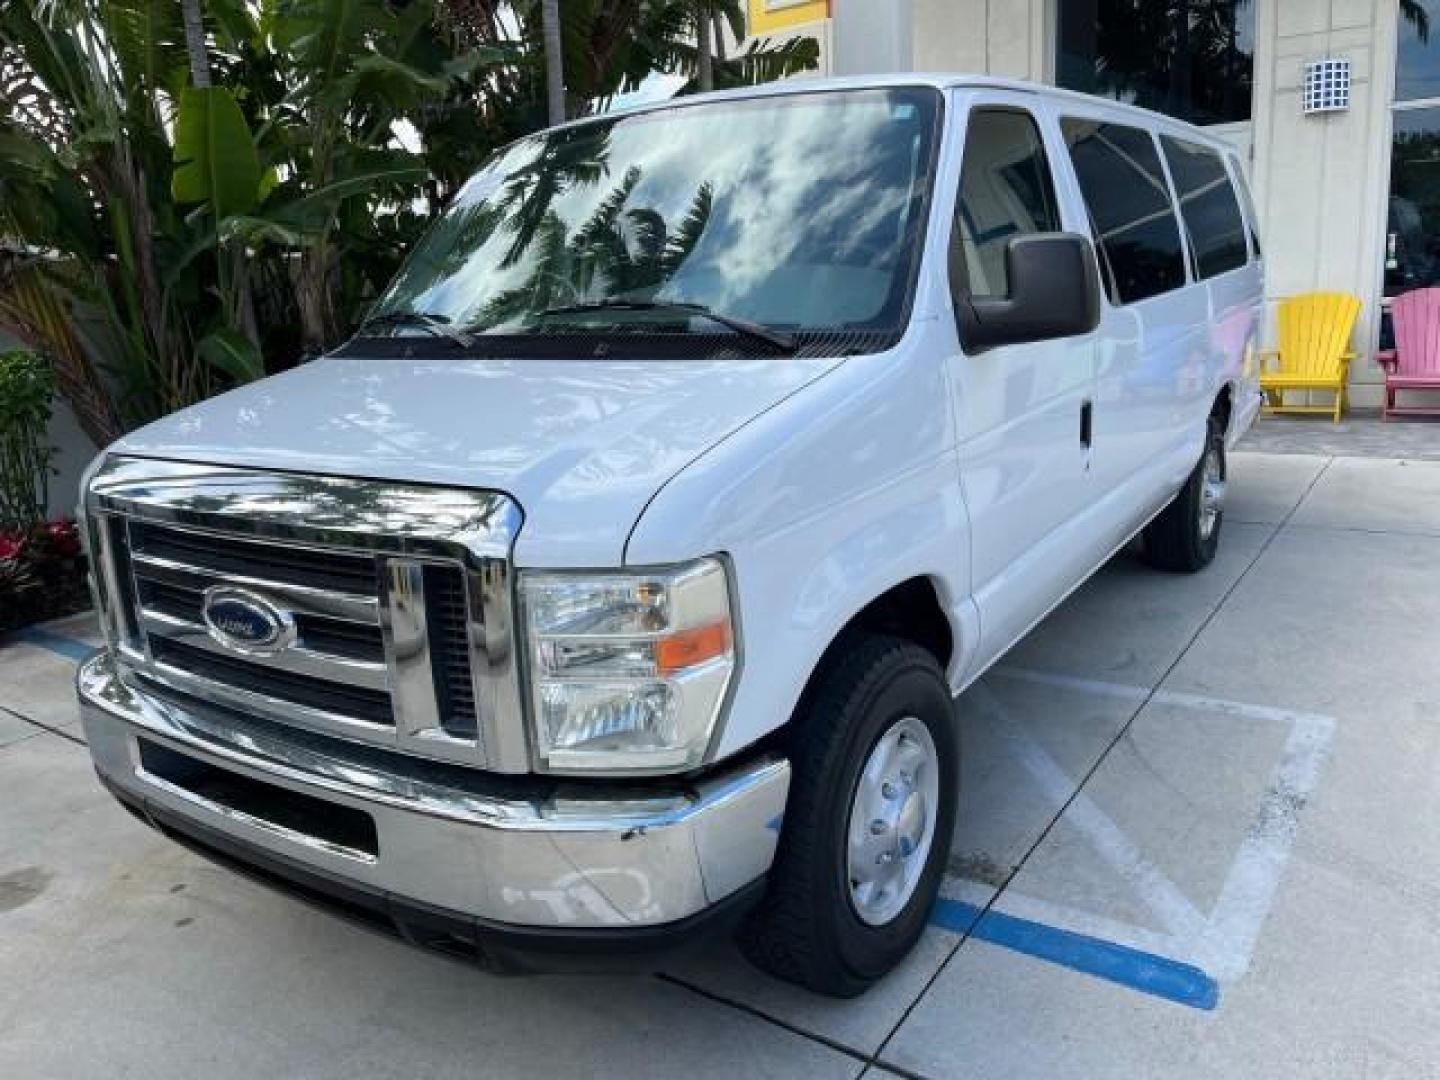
1243,186
1207,206
1005,191
1124,187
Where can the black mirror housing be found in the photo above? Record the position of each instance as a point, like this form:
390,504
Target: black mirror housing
1054,293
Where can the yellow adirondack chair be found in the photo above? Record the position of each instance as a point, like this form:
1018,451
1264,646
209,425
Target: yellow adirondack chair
1314,352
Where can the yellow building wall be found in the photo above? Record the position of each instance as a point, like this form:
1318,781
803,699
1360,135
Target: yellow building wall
769,16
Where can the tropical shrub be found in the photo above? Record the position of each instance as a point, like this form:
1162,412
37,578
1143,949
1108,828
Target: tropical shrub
27,391
188,204
202,227
42,574
42,571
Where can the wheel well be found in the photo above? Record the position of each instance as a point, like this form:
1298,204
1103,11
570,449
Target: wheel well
910,610
1221,409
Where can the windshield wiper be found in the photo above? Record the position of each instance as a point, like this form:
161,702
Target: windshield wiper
435,324
774,338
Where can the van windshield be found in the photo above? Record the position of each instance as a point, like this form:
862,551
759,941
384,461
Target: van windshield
798,214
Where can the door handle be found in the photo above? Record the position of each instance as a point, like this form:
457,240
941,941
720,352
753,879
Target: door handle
1087,409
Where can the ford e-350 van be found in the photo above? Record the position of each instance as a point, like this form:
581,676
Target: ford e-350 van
614,581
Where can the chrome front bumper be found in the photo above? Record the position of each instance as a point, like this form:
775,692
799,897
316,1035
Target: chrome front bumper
539,855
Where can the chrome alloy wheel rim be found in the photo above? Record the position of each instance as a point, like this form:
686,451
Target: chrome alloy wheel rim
1212,493
892,821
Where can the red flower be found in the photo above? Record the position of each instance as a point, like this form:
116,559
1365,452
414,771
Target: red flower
64,537
11,545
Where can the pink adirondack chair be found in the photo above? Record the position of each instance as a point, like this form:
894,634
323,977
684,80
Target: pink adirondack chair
1414,363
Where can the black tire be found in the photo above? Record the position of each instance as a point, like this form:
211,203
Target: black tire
1178,539
807,930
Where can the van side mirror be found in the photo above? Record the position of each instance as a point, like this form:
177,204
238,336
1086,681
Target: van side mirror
1054,293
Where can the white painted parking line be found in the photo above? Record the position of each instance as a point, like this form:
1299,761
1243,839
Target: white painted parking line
1164,899
1221,942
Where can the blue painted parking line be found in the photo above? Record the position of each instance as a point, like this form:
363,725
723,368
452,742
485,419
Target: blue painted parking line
68,647
1172,980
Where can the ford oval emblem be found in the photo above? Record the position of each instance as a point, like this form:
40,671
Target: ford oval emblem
247,622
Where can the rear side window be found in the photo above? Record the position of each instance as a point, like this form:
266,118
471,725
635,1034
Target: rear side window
1207,206
1005,191
1130,209
1247,202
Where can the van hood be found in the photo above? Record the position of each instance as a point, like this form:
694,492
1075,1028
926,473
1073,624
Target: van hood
581,445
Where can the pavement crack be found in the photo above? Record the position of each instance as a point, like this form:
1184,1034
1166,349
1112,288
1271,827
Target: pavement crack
42,726
751,1010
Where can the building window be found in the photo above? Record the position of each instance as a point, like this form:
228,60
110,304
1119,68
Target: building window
1189,58
1417,62
1412,234
1412,238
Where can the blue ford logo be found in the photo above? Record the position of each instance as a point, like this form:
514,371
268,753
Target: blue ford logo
246,621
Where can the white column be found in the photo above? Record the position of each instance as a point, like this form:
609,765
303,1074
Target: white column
870,37
1322,181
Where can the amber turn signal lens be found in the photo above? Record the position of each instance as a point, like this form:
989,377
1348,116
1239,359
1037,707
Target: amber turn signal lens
691,647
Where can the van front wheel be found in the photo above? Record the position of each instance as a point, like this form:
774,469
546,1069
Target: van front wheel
1187,533
866,832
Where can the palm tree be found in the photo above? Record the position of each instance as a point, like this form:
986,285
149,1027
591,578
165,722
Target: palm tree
704,52
195,43
554,61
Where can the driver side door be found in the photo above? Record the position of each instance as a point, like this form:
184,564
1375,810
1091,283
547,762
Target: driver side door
1023,410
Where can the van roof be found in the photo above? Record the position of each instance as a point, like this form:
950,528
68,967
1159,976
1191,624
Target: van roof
938,80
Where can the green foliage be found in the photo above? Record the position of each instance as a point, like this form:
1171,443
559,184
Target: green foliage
176,241
233,353
27,392
215,158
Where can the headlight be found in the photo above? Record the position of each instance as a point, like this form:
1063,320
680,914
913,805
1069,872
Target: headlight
628,671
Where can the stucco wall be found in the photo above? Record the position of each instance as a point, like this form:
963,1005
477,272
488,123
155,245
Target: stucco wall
1321,181
779,21
869,36
1009,38
771,17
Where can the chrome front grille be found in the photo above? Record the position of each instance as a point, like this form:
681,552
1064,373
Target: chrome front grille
328,699
344,574
448,621
395,599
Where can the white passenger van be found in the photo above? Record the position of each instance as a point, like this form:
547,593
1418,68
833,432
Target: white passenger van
615,580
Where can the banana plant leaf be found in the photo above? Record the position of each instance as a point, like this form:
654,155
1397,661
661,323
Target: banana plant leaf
233,353
215,157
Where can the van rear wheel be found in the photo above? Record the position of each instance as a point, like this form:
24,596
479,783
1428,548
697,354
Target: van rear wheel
866,834
1186,534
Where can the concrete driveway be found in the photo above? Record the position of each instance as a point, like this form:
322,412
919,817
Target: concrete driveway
1197,837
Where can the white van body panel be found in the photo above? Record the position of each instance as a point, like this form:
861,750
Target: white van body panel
581,444
1024,472
948,494
838,494
823,481
822,504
